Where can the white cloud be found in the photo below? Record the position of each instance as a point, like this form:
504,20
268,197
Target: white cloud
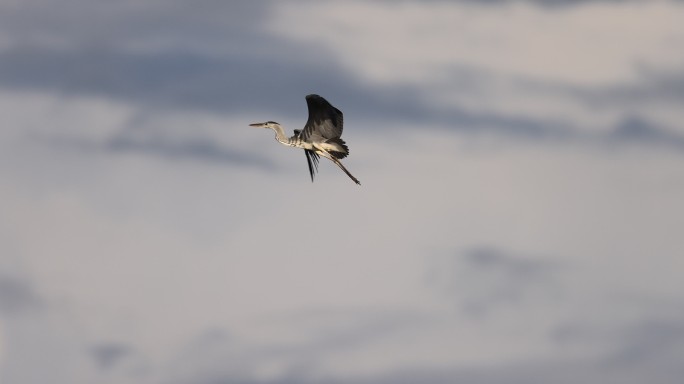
595,43
499,59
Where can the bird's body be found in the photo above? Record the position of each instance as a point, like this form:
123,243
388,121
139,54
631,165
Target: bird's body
320,136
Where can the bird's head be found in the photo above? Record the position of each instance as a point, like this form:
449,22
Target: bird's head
268,124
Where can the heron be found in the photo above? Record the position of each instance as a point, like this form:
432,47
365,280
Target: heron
320,136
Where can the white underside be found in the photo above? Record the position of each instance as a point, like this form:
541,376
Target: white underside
327,147
318,147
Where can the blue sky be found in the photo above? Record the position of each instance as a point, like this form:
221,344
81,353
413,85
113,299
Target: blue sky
522,167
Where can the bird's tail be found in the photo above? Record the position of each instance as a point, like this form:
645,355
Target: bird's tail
339,164
338,148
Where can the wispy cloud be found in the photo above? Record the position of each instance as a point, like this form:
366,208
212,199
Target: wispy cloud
638,130
108,355
17,295
148,62
483,278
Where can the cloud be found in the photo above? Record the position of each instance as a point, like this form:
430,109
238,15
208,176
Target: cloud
548,3
109,355
653,87
164,54
17,296
241,66
265,89
173,79
124,24
634,129
659,365
197,148
655,343
323,335
647,351
481,279
238,84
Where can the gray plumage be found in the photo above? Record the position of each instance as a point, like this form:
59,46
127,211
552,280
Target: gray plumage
320,136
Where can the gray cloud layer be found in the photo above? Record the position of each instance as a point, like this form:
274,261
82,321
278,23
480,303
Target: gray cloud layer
16,296
190,58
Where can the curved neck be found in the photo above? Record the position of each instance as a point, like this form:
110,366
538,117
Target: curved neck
280,134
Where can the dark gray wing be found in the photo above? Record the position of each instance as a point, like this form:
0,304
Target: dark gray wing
312,159
325,121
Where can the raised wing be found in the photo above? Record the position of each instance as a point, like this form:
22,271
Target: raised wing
325,121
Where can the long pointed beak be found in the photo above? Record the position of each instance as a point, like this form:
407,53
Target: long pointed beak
257,125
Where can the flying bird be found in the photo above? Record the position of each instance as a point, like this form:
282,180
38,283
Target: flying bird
320,136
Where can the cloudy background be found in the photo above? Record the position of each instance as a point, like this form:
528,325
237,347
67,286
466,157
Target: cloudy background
519,220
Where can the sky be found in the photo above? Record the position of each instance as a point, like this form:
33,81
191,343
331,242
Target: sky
518,220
